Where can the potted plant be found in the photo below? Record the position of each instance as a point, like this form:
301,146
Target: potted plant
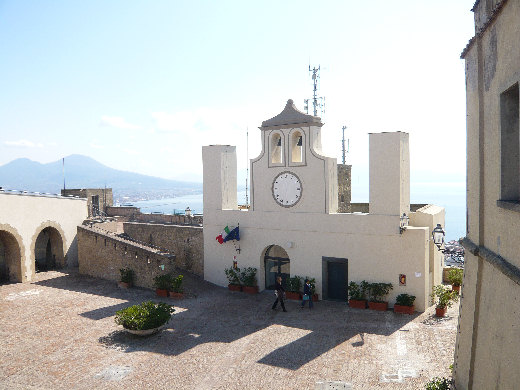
455,278
377,293
233,276
357,295
127,277
443,298
176,289
294,285
144,319
162,284
404,304
248,280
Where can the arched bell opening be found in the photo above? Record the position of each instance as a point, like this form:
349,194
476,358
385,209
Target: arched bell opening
276,148
276,263
48,250
296,147
10,258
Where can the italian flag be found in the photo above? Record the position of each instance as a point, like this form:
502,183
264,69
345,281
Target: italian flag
220,238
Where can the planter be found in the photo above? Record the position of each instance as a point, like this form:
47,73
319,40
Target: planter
175,295
145,332
161,292
315,298
124,285
296,296
357,304
379,306
440,312
250,289
404,309
235,287
456,288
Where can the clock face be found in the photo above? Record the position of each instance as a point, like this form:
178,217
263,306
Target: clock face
287,189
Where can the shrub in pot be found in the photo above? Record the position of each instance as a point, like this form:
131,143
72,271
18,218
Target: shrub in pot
127,277
358,295
443,298
162,284
233,276
404,303
293,288
378,291
176,289
455,278
145,318
248,280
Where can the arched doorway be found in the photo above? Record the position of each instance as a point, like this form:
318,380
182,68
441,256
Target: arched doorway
48,250
276,263
10,258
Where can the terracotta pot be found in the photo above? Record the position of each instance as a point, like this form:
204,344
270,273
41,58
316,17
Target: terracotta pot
145,332
124,285
456,288
293,295
175,295
440,312
379,306
404,309
161,292
315,298
250,289
235,287
357,304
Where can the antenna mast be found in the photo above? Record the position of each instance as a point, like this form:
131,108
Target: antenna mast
317,101
247,163
343,143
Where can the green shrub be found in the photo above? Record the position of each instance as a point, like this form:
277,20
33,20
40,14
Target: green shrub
405,300
248,276
177,284
443,297
233,275
163,282
455,276
378,291
147,315
127,275
358,291
438,384
294,284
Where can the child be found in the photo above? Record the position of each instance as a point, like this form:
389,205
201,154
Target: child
307,294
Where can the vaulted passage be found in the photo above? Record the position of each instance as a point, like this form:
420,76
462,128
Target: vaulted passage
10,258
277,263
48,251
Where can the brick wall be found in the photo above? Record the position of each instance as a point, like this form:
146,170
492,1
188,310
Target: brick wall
187,242
101,255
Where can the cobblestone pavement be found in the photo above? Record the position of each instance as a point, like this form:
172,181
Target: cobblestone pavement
58,332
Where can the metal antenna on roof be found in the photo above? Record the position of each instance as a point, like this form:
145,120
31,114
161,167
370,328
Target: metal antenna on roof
318,102
247,163
343,144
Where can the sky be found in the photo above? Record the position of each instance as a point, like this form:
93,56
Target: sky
143,85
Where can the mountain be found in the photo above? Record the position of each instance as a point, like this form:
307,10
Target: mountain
85,172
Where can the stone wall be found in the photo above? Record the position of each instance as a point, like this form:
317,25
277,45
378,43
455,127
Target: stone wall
344,188
187,242
101,255
122,211
134,214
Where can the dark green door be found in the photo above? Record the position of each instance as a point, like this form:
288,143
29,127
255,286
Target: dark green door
337,280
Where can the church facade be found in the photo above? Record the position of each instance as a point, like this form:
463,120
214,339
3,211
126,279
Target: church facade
293,227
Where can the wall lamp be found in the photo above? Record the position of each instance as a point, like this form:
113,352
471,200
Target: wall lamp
403,223
438,237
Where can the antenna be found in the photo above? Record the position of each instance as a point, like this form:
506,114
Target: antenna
63,170
343,144
317,101
247,163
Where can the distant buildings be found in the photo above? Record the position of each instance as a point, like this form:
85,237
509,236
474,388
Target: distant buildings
487,354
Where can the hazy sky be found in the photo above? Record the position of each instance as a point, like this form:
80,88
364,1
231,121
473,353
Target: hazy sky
142,85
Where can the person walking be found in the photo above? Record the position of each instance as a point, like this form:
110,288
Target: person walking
307,294
280,292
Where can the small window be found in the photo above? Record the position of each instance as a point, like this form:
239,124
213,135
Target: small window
510,145
276,149
296,147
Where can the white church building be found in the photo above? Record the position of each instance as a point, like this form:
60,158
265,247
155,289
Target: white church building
292,226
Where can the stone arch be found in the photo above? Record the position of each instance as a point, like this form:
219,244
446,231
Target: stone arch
12,254
52,237
275,261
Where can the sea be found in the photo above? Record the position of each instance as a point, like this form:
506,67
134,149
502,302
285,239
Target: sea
451,196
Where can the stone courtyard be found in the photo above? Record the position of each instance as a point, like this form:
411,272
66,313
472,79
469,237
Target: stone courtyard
58,332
